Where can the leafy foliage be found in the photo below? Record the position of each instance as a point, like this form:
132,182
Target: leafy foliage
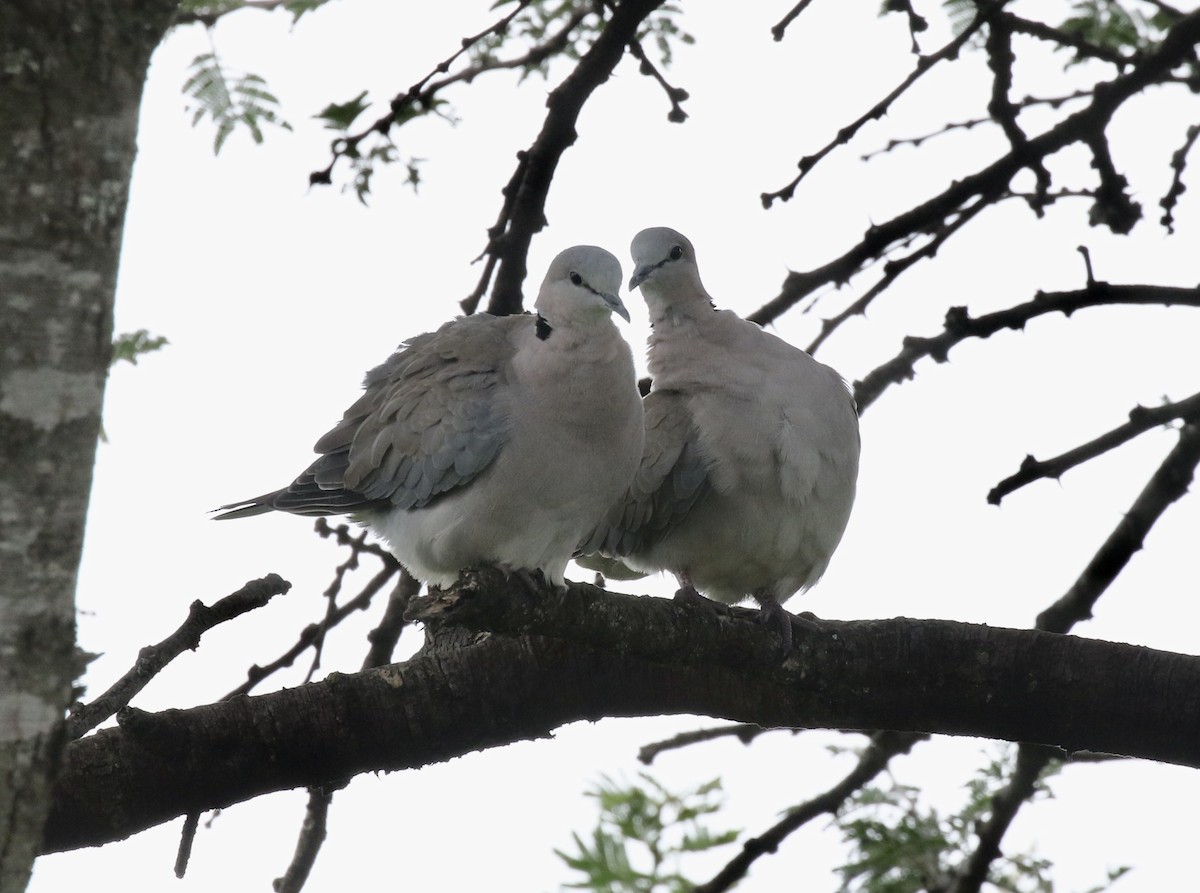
645,825
340,116
230,100
129,346
900,845
1111,26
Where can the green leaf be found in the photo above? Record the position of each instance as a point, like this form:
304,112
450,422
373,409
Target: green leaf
643,833
129,346
230,101
299,7
340,115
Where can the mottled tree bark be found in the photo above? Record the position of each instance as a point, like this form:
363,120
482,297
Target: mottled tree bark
69,94
552,658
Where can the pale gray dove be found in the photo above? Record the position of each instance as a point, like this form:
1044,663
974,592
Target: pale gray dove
751,456
494,440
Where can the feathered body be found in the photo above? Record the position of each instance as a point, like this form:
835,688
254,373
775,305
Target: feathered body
494,440
751,458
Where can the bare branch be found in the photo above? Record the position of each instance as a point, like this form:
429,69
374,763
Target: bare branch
187,838
510,237
386,634
744,732
847,133
1141,419
893,268
780,27
1178,163
676,95
1085,125
310,634
312,835
153,658
960,326
1168,484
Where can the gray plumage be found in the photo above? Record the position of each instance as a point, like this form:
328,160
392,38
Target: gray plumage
494,440
751,455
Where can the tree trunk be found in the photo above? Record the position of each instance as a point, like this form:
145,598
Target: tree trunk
69,95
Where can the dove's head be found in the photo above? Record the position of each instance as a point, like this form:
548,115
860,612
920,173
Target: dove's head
664,267
581,286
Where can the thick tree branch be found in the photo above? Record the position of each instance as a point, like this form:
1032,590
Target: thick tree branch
586,654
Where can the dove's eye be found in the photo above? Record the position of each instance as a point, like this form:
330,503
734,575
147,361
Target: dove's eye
677,252
576,279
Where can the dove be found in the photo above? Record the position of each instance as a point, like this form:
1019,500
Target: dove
493,440
750,463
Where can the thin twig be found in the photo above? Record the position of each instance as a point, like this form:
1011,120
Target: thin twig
386,634
510,237
960,326
1141,419
1176,189
153,659
847,133
308,844
308,635
893,268
676,95
1168,484
187,838
418,96
743,731
1084,126
780,27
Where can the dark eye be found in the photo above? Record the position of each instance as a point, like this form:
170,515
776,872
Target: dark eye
576,279
677,252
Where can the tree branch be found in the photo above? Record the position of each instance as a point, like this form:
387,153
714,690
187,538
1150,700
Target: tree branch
873,760
960,326
586,654
745,732
1141,419
1167,485
509,238
308,845
1086,126
153,658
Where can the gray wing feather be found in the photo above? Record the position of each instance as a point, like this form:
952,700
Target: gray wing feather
672,477
430,419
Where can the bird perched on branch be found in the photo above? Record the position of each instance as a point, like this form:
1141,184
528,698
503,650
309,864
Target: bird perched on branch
751,455
494,440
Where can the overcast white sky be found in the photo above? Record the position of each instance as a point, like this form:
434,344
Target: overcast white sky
277,298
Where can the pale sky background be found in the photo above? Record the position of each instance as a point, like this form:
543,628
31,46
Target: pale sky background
276,299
